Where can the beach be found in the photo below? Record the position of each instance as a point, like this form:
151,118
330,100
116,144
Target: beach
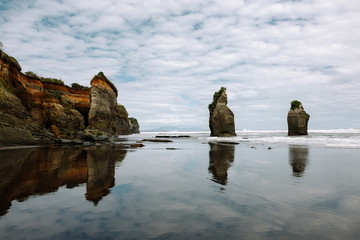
258,185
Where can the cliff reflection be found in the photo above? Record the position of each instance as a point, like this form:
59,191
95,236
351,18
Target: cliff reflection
38,171
101,171
298,158
221,157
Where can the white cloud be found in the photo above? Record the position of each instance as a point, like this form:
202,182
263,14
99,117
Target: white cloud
266,53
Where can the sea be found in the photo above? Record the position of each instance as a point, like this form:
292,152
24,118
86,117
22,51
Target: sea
257,185
332,138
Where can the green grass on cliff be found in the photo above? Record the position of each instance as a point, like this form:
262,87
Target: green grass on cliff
9,59
133,120
45,80
103,77
295,104
122,111
79,87
215,99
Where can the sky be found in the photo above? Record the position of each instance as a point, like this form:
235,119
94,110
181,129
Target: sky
168,57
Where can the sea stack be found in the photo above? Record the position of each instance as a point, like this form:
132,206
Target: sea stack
221,120
134,125
105,114
297,119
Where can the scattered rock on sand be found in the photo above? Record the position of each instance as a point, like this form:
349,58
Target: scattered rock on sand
157,140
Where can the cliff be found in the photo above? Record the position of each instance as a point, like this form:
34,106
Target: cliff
297,119
32,106
105,114
221,120
134,125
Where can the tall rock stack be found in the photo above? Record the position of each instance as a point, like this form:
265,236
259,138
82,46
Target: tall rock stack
221,121
297,119
105,114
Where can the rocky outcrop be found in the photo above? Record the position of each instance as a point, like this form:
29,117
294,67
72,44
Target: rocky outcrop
221,121
17,125
297,119
105,114
134,125
31,107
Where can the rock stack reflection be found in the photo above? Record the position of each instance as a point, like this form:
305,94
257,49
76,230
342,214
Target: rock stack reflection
38,171
221,157
101,171
298,158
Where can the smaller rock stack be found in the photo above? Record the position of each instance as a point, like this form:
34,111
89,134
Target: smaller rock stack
134,125
297,119
221,121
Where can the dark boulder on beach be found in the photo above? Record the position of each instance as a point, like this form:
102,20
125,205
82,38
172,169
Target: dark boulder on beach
297,119
221,120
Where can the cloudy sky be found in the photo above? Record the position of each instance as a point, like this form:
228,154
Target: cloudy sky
168,57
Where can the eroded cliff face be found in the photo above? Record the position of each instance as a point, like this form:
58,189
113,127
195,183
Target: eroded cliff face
105,114
297,120
134,125
29,107
221,121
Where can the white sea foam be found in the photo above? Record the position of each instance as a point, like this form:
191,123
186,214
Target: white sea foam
337,138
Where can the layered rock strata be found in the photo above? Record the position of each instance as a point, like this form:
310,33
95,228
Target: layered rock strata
36,110
105,114
297,119
221,120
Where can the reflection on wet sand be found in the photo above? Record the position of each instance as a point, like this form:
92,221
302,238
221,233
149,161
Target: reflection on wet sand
221,157
38,171
101,171
298,158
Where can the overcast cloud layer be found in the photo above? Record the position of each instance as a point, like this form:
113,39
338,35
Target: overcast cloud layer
167,58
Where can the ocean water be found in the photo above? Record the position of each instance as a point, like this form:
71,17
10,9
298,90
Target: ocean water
337,138
268,186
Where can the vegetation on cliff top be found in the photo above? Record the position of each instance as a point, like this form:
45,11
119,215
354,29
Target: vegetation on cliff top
133,120
215,99
79,87
295,104
9,59
122,111
55,81
45,80
103,77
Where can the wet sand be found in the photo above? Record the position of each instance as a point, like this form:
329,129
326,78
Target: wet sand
198,190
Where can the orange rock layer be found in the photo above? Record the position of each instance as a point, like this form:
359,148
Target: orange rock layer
36,96
52,103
